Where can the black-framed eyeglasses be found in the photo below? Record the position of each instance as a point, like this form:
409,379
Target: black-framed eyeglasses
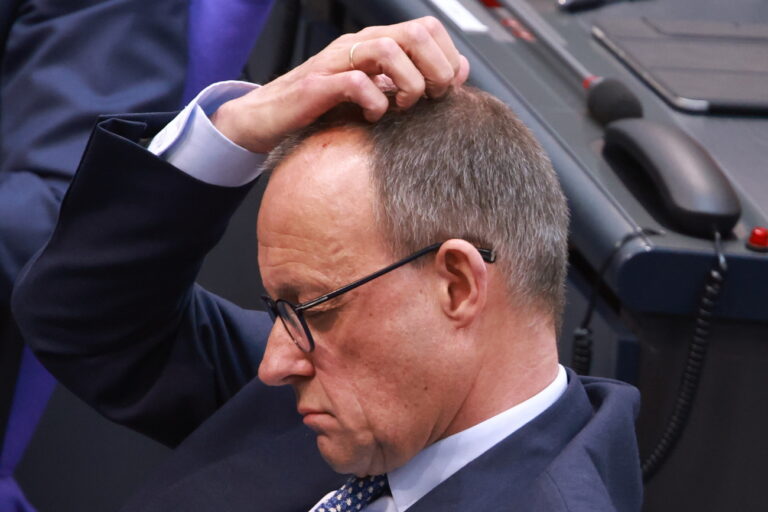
292,315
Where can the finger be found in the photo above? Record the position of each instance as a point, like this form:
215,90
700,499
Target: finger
430,58
361,90
443,39
322,93
412,36
433,64
401,33
384,83
384,56
463,73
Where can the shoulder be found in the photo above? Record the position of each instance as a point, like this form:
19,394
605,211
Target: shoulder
599,468
604,392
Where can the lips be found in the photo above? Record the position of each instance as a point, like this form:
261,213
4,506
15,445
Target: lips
314,418
304,411
318,422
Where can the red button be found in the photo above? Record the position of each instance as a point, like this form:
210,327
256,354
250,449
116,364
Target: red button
758,239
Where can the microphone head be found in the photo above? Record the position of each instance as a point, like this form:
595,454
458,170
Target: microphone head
610,100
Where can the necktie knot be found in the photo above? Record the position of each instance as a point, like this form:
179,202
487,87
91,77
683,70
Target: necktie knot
355,494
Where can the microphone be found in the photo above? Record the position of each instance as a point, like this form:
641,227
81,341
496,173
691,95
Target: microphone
610,100
607,98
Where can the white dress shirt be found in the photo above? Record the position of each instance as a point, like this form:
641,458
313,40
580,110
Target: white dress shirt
192,144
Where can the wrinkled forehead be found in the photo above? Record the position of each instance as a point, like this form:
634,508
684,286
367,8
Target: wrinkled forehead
316,216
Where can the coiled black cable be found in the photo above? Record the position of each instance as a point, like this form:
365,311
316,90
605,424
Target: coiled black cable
697,352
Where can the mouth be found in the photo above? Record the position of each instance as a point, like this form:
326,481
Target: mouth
305,410
314,418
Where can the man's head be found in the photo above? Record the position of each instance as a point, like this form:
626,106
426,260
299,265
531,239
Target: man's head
442,343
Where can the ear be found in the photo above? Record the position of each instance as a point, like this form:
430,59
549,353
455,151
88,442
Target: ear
463,281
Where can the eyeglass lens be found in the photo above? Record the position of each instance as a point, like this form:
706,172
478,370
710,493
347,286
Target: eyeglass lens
293,325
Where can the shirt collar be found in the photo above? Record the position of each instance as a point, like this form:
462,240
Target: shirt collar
434,464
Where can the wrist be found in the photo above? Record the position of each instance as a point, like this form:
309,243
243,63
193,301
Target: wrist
227,120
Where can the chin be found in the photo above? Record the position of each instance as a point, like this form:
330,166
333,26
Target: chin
363,462
344,460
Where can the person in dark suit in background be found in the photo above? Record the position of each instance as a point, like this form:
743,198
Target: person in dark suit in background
442,230
63,64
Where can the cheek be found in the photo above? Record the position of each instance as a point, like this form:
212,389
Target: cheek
392,359
384,369
372,385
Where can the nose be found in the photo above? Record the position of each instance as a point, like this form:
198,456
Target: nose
283,363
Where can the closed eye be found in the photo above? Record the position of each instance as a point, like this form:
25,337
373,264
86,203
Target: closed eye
322,318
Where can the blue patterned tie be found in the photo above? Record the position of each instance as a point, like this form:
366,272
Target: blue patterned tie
355,494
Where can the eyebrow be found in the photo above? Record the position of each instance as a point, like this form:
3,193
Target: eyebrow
292,293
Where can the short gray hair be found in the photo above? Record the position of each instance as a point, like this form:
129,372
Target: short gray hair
465,167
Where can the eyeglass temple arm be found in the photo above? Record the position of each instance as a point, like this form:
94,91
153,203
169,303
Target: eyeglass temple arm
488,255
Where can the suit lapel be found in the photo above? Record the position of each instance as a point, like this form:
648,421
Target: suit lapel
505,474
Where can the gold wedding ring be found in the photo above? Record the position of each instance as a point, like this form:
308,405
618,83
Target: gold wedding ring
352,56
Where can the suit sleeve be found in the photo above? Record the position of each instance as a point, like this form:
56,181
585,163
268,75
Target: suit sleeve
110,305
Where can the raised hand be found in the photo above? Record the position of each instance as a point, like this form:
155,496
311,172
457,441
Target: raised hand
413,58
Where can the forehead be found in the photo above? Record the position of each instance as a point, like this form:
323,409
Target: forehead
316,219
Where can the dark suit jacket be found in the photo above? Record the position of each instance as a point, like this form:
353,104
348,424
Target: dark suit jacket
110,306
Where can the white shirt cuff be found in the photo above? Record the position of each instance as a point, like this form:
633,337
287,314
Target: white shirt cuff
192,144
